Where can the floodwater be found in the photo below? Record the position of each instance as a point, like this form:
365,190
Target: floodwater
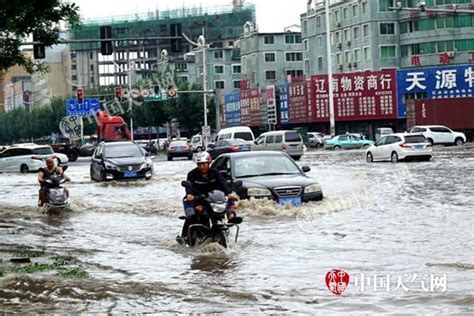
408,226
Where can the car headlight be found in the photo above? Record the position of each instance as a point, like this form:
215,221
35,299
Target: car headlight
147,164
313,188
110,166
258,192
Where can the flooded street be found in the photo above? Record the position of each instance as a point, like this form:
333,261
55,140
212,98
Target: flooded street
404,223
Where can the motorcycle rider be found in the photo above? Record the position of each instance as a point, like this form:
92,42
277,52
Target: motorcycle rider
44,174
204,180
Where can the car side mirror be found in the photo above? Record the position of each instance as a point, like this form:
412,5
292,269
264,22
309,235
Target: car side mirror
306,169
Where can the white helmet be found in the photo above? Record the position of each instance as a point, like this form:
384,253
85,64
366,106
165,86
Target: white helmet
202,156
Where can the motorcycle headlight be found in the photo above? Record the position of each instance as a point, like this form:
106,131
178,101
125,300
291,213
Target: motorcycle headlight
313,188
110,166
258,192
218,208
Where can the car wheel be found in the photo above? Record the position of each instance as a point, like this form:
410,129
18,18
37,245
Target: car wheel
102,175
370,157
394,157
91,174
190,157
296,158
427,158
24,169
72,156
337,147
199,149
170,158
459,142
319,145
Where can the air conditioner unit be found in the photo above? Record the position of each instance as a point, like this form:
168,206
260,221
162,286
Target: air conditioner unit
450,54
340,67
349,43
338,24
354,64
349,65
339,45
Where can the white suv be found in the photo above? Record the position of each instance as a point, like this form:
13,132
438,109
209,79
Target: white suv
28,157
438,134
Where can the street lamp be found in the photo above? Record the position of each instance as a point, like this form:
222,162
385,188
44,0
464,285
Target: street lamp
332,120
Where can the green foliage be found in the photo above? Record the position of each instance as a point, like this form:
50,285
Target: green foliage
61,266
19,19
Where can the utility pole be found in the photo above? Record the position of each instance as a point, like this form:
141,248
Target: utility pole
130,102
332,119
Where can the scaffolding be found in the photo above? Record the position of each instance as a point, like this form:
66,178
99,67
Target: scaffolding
219,22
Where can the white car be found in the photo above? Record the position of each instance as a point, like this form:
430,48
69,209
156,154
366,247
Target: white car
396,147
438,134
315,139
28,157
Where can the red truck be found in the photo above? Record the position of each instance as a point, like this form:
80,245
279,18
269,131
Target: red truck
111,128
455,113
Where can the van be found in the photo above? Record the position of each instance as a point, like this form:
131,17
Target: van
287,141
242,132
197,142
382,131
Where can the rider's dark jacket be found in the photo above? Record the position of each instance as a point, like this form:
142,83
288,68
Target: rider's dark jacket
204,185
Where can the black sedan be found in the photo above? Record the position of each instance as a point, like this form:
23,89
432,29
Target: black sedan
120,160
227,146
269,174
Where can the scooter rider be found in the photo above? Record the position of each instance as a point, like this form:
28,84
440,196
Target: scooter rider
204,180
44,174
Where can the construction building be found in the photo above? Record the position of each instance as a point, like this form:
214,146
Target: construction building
90,69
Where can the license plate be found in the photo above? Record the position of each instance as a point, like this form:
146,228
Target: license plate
294,146
245,148
178,149
419,147
292,201
129,174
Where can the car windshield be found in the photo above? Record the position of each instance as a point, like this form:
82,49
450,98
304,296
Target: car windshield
292,137
123,151
43,151
243,135
415,139
254,166
181,144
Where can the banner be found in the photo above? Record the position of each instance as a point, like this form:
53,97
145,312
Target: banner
232,109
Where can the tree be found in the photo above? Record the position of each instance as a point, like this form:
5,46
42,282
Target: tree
20,19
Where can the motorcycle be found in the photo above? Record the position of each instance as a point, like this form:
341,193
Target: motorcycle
212,223
57,198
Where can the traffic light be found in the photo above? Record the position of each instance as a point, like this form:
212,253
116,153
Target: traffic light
106,46
80,96
118,94
176,44
38,49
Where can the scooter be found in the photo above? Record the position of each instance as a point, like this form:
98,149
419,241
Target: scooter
211,224
57,198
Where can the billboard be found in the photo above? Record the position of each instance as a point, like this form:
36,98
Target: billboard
434,83
282,103
298,104
357,96
245,107
232,109
254,100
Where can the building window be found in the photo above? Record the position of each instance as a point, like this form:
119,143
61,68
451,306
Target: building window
347,35
218,69
236,69
305,45
345,13
355,8
236,84
294,56
364,7
338,58
387,28
73,67
91,55
338,37
270,75
306,65
270,57
218,54
305,26
269,39
320,41
220,84
337,16
73,77
292,39
367,53
320,62
384,5
92,67
294,73
356,31
347,57
73,55
92,80
365,30
357,54
389,51
318,21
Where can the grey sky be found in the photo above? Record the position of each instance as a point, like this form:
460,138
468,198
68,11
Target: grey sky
272,16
